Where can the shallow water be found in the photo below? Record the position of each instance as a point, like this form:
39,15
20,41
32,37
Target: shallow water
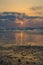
22,37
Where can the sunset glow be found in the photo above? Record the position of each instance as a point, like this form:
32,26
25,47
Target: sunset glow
21,23
21,32
28,7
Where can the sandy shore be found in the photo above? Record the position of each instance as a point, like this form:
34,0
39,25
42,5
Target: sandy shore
21,55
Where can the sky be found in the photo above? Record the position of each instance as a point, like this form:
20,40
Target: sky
29,7
32,8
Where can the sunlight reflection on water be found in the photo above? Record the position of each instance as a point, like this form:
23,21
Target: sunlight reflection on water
21,38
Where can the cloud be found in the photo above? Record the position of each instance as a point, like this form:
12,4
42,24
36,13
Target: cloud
39,13
13,19
37,8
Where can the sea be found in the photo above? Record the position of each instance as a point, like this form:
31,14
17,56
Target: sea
22,37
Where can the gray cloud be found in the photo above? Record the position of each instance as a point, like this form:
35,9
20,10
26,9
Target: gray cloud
37,8
9,20
39,13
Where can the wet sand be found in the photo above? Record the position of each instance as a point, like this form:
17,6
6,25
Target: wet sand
21,55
